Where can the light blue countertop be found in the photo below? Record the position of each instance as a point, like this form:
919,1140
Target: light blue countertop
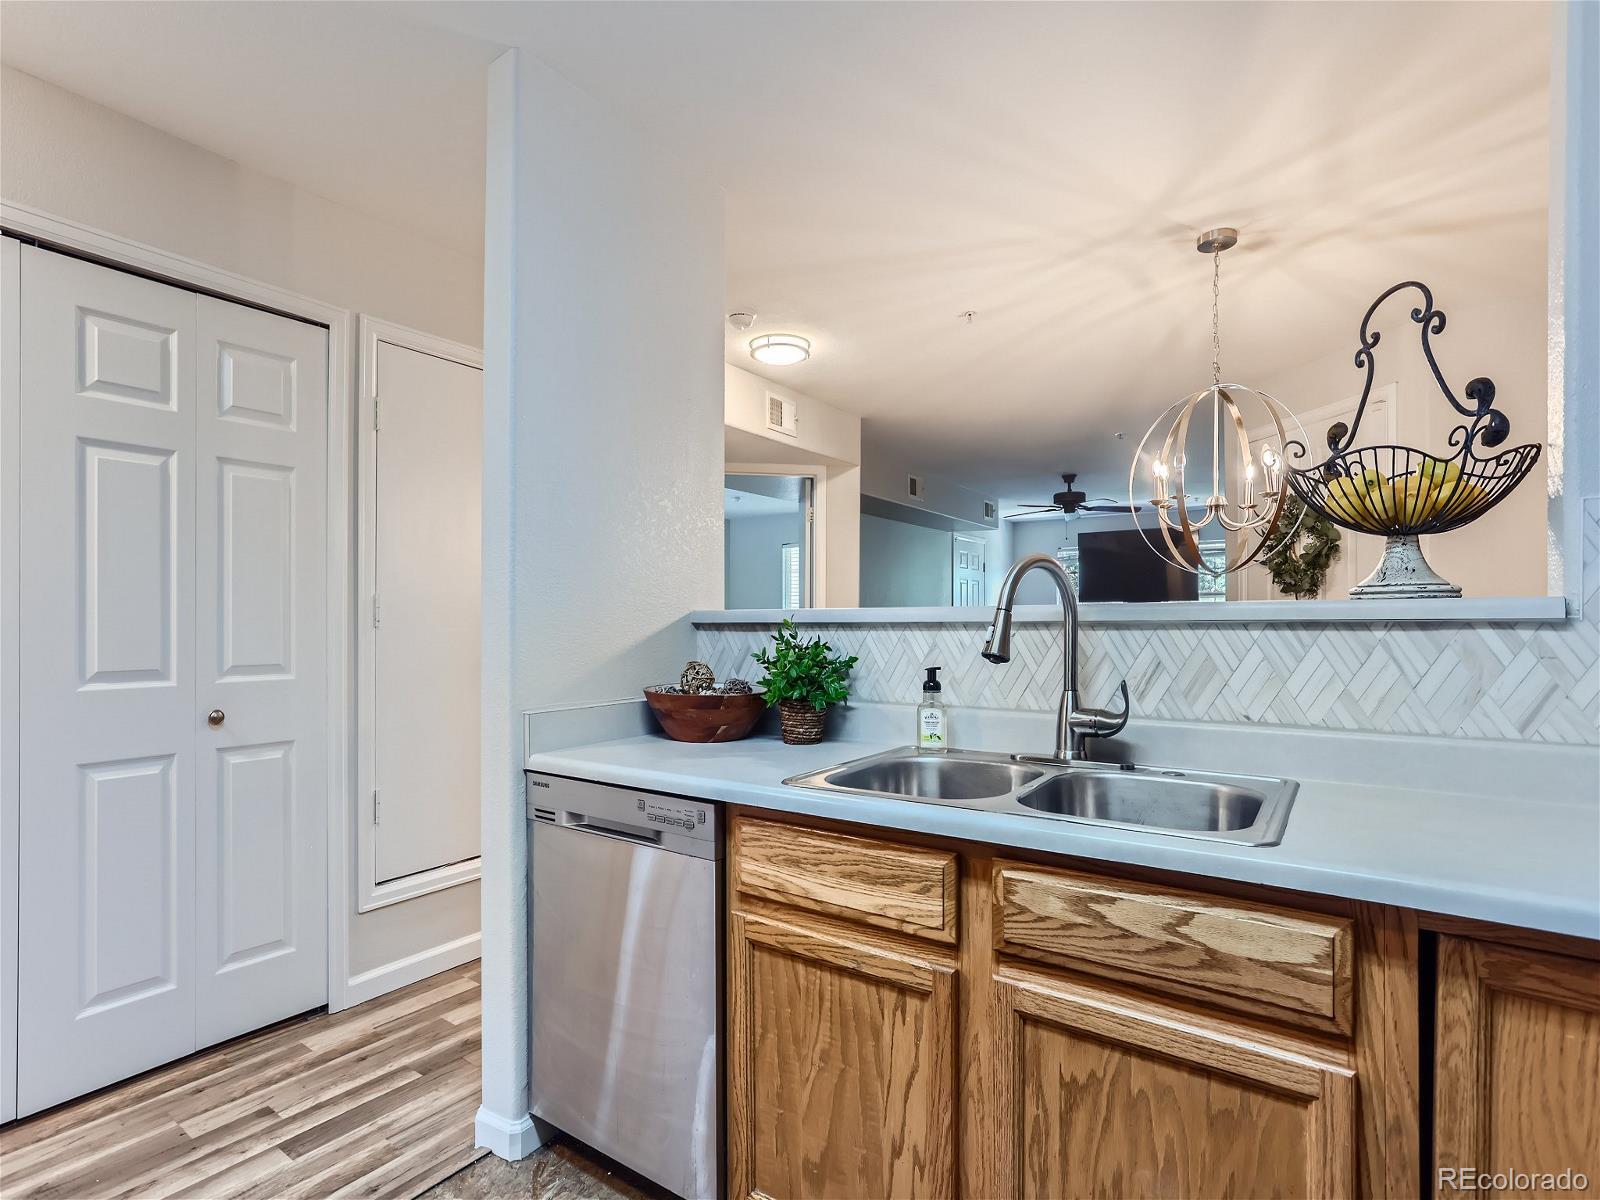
1532,860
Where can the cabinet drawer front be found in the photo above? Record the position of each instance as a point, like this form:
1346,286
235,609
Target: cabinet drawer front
905,888
1250,957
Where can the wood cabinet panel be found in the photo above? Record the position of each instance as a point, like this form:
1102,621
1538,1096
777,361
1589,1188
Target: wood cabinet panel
1388,1053
911,889
1250,957
1099,1093
1517,1067
841,1064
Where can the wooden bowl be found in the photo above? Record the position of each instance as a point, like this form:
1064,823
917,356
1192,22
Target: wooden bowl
710,717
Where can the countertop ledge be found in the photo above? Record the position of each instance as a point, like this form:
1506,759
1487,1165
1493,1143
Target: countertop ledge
1532,864
1474,610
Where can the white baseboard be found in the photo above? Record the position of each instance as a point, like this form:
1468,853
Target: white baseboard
370,984
505,1139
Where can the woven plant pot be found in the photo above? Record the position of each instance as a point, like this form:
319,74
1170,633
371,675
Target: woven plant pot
801,724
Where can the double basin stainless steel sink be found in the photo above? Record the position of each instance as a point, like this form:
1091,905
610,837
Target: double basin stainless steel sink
1248,810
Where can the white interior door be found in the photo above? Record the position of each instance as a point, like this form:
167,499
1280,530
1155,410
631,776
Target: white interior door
172,887
261,556
967,570
426,649
107,879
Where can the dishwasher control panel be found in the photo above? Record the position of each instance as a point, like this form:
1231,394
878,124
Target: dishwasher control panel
669,813
672,822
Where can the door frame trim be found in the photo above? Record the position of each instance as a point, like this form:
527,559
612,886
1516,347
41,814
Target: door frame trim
371,894
126,254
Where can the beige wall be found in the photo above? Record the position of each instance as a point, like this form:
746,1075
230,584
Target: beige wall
829,444
1502,337
74,159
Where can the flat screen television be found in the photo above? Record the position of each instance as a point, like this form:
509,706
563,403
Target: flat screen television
1116,564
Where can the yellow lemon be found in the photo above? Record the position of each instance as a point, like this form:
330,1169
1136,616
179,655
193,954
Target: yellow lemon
1361,501
1424,496
1384,498
1419,498
1438,470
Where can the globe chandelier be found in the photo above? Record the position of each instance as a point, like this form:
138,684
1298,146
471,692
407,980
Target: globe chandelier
1238,415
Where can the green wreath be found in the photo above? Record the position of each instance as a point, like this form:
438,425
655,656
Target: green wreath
1300,572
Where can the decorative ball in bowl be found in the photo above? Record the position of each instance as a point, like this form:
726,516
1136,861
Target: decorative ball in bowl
706,716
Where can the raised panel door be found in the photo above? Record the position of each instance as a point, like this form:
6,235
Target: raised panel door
107,883
1101,1093
1517,1072
261,633
841,1064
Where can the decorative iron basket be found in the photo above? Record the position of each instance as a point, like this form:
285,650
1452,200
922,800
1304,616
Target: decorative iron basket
1403,493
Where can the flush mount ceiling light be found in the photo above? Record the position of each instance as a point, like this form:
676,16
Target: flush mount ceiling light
1255,511
780,349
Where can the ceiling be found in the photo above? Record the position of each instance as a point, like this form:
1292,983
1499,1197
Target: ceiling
341,99
890,166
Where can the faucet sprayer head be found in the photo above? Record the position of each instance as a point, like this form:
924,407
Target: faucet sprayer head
998,648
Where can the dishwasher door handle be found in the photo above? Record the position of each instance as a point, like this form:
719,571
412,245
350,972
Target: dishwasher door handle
643,837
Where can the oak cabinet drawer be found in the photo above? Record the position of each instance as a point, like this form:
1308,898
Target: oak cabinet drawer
910,889
1236,954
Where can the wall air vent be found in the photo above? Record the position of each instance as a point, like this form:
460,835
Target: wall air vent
783,415
990,512
915,488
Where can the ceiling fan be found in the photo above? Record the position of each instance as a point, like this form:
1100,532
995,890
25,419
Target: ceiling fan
1072,502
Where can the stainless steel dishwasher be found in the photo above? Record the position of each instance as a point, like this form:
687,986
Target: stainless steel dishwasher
626,989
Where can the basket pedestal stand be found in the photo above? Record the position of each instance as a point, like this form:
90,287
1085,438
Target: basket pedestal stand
1403,574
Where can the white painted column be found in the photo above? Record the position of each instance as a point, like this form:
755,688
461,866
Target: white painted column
503,1124
602,489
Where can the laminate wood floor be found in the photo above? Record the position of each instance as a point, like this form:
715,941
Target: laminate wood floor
375,1101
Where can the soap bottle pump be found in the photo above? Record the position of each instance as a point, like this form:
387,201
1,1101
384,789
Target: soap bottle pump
932,728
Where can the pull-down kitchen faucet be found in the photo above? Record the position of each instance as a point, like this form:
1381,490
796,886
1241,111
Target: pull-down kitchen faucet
1074,725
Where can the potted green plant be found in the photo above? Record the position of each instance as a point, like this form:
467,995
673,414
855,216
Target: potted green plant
804,678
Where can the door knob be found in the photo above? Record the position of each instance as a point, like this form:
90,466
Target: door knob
216,717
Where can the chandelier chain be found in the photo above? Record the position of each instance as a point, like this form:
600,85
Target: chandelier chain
1216,301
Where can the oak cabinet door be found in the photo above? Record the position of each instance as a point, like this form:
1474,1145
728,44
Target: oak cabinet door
1100,1093
1517,1071
841,1067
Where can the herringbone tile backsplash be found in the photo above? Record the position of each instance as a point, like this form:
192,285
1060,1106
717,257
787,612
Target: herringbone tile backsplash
1527,681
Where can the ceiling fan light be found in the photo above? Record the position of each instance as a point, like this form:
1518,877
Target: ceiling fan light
780,349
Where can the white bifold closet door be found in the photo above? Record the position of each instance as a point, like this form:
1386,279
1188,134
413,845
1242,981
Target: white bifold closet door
172,886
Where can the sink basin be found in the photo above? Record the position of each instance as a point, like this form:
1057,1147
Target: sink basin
935,777
1135,799
1247,810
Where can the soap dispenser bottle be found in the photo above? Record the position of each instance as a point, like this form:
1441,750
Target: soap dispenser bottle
932,729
